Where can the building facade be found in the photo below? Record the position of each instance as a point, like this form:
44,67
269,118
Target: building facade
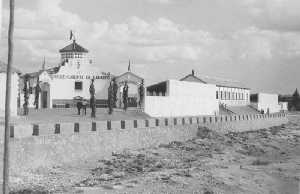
71,79
174,98
228,93
266,103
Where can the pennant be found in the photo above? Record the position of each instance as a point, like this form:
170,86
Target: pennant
71,35
129,66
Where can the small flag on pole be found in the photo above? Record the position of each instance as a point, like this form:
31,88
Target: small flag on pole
71,35
44,64
129,66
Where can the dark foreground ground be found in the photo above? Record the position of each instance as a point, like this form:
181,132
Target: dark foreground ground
266,161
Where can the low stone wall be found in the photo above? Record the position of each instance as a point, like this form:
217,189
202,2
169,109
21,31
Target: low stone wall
38,145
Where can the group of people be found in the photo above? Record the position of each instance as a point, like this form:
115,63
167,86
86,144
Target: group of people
111,99
82,104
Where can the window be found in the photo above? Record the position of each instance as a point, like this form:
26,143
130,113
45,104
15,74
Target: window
217,95
78,85
221,95
228,95
242,96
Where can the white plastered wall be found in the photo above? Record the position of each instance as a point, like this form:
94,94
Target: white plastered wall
14,94
183,99
268,101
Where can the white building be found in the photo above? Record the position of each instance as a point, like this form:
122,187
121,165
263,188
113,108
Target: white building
268,103
72,78
180,98
14,89
229,93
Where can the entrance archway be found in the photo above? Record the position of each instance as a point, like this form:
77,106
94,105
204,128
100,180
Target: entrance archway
134,82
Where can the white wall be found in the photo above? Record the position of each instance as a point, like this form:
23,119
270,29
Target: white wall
266,101
1,12
65,88
14,93
183,99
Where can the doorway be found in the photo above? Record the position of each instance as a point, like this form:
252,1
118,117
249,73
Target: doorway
45,95
44,99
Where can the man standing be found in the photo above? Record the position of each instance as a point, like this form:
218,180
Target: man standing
92,99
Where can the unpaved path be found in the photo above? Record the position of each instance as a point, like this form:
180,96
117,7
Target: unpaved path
266,161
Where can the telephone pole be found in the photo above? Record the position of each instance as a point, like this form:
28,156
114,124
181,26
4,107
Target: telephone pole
5,188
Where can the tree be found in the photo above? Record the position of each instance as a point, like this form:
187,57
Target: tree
37,94
125,96
26,95
296,100
110,99
115,92
5,186
92,99
141,94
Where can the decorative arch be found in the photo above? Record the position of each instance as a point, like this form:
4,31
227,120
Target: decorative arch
132,80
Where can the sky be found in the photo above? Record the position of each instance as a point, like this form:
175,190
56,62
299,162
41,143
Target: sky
256,42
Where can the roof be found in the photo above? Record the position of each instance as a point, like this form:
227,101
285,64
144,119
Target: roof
161,86
3,67
216,81
73,47
130,77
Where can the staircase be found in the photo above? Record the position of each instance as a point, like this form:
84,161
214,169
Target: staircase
224,110
242,110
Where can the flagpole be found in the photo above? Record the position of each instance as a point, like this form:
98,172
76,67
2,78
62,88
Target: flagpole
5,186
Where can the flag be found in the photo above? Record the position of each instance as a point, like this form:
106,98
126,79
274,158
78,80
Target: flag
44,64
129,66
71,35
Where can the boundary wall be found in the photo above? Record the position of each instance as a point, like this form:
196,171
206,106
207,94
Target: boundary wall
41,145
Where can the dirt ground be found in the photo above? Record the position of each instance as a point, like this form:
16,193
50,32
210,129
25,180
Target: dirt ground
266,161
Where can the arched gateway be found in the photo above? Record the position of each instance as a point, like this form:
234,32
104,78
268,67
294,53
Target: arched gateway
134,83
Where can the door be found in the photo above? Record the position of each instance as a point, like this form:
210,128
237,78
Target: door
44,99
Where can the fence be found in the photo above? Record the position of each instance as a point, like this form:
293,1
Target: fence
229,122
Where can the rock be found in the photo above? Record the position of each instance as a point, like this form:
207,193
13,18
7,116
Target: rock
105,177
203,132
118,174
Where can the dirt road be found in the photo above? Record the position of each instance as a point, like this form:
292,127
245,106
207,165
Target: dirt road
266,161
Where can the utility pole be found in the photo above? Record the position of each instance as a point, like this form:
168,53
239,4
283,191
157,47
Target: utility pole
5,189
